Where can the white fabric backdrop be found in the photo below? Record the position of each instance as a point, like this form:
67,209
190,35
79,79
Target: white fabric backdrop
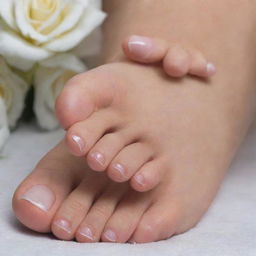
228,229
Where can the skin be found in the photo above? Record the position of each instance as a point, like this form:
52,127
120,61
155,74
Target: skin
181,135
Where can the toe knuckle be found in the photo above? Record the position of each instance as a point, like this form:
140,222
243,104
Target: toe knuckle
101,211
76,206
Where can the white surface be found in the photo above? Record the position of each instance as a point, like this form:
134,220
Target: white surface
228,229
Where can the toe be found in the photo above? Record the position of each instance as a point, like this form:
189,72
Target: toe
41,193
149,175
177,61
91,228
108,147
128,161
199,65
82,95
75,206
145,49
159,222
82,136
126,217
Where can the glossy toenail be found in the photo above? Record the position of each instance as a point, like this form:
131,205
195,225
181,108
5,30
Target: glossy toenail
140,45
211,69
40,196
140,179
98,157
87,232
64,225
79,142
120,169
110,235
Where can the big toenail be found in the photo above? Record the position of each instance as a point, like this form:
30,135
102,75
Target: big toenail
79,142
87,232
64,225
110,235
98,157
140,179
120,169
40,196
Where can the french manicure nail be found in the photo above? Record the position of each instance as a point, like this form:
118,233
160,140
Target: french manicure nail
140,179
110,235
211,69
64,225
87,232
120,169
79,142
140,45
40,196
98,157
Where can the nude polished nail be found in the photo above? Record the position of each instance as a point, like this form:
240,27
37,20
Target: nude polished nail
140,46
79,142
40,196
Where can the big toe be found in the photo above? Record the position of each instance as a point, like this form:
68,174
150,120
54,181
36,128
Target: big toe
84,94
39,196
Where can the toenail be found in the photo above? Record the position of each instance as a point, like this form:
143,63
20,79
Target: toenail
98,157
140,179
211,69
79,142
40,196
140,45
110,235
87,232
64,225
120,169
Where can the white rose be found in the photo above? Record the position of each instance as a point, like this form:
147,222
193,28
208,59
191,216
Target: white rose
49,79
4,130
33,30
13,90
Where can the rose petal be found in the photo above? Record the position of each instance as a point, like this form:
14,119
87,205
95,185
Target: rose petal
19,90
65,61
23,24
20,53
14,89
90,20
75,13
44,98
6,11
4,130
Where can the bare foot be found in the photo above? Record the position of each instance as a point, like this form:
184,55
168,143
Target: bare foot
153,135
147,129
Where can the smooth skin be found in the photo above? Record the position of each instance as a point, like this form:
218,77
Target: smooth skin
178,134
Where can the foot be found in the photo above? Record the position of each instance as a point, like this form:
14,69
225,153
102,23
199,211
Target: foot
150,135
177,61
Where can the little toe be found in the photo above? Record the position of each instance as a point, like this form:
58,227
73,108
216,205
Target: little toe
177,61
82,136
126,217
74,208
84,94
128,161
159,222
145,49
91,227
39,196
149,175
200,66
